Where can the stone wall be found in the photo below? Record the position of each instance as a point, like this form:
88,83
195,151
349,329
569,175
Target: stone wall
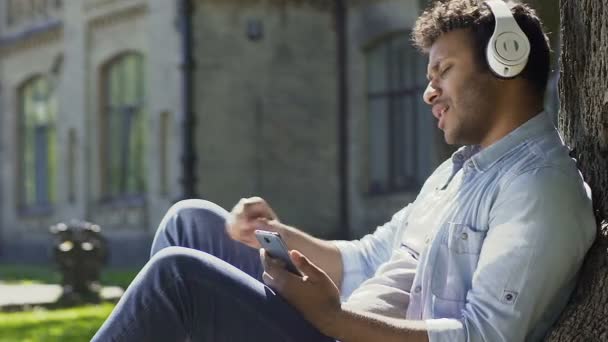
267,110
266,105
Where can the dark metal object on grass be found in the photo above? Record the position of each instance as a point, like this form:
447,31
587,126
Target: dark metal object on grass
80,252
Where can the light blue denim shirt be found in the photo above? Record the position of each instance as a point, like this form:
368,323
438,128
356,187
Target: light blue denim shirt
498,236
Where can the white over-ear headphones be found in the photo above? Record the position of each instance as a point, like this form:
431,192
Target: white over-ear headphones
508,49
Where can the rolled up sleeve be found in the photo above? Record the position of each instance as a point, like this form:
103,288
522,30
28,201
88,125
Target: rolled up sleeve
541,226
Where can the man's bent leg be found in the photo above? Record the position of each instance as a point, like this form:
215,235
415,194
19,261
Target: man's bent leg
201,225
183,294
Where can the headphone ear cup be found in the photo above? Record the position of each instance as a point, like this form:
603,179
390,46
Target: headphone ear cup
509,48
501,56
507,54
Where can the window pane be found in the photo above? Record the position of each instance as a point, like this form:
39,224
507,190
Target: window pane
399,145
131,80
52,107
165,129
114,88
27,161
140,80
126,120
28,103
409,139
377,69
41,163
379,148
42,104
136,169
406,65
421,63
114,143
125,125
28,165
397,150
38,143
52,163
72,155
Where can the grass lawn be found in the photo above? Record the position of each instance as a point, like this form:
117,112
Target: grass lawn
65,325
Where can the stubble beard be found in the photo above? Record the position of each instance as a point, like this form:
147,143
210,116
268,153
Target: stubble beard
472,113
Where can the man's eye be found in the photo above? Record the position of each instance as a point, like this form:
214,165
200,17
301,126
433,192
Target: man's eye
443,73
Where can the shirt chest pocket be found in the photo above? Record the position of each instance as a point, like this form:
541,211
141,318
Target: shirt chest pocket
464,239
457,254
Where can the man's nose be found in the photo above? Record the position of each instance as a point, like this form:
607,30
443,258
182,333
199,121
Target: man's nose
430,93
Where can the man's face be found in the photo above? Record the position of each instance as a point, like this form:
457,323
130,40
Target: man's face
461,95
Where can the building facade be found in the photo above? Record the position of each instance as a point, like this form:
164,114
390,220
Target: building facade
314,105
81,124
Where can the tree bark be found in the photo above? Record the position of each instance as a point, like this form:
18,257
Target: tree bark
583,120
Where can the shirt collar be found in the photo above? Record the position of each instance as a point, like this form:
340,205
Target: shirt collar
483,159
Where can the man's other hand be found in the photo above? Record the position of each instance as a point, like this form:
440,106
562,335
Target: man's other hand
248,215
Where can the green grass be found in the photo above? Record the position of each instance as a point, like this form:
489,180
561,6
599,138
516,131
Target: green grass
65,325
28,274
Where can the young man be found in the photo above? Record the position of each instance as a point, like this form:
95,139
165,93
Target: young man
489,251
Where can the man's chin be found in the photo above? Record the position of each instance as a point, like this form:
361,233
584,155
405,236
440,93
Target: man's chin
449,138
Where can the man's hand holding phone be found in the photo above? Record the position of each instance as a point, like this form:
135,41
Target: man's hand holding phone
302,283
311,291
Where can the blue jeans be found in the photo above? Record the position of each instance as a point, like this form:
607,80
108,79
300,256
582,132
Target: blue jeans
200,285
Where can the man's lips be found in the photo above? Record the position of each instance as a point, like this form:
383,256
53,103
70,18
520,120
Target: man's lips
439,112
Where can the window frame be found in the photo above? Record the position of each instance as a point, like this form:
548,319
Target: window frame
38,206
124,196
396,93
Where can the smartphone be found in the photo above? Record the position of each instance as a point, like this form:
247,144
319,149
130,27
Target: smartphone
276,248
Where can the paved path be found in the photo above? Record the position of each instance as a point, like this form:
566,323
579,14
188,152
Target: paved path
12,295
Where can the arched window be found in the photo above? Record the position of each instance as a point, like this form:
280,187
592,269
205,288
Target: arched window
123,128
399,134
38,147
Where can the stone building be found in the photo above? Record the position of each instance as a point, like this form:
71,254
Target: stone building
314,105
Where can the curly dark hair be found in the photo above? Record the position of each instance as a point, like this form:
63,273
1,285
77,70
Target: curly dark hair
443,16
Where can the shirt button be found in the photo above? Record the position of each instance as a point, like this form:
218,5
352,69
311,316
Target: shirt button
428,239
464,236
418,289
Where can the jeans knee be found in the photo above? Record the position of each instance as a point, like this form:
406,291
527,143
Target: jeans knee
197,207
178,261
195,211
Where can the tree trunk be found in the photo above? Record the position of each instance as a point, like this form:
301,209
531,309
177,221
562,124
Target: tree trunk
583,119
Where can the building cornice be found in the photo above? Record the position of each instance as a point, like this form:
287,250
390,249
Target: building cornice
31,37
108,15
